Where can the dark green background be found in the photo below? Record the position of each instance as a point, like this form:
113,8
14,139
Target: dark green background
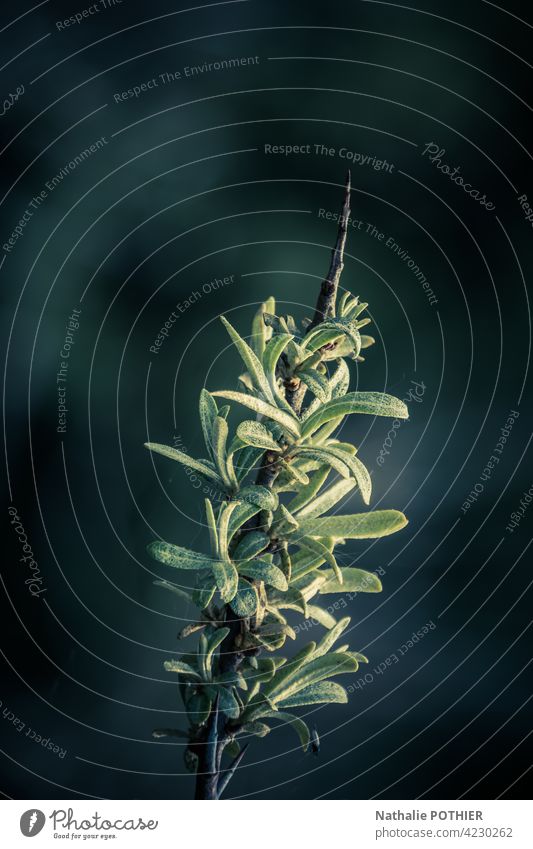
182,195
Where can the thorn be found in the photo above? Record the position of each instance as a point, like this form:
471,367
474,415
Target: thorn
230,772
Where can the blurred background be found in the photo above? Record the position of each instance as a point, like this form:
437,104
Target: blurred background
163,158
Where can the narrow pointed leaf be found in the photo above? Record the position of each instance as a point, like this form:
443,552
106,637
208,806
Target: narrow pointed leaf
354,581
331,637
369,403
307,493
208,414
378,523
251,361
288,422
257,435
252,544
318,548
181,668
259,570
325,692
298,724
326,500
185,460
321,615
178,557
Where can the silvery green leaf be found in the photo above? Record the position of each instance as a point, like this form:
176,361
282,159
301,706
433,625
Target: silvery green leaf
356,467
342,326
292,599
354,581
298,724
289,670
208,414
288,422
325,692
324,456
182,668
293,473
212,644
326,500
378,523
261,571
309,584
308,492
265,670
317,383
258,729
321,615
331,637
284,522
227,579
367,341
178,557
257,435
212,526
220,436
323,433
340,380
226,510
369,403
275,630
342,302
354,309
251,361
252,544
173,453
318,548
260,332
246,600
314,671
245,459
273,351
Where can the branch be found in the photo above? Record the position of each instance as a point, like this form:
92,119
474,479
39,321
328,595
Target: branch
325,305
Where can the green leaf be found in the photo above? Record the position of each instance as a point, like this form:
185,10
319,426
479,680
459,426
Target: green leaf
187,461
226,510
220,436
203,595
259,570
208,414
178,557
251,361
273,351
322,616
307,493
354,581
370,403
212,526
314,671
252,544
276,629
289,670
198,708
258,729
358,469
331,637
256,434
182,668
298,724
325,692
212,644
260,332
227,704
379,523
288,422
246,600
317,383
324,455
291,599
326,500
245,459
227,579
318,548
284,522
294,473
